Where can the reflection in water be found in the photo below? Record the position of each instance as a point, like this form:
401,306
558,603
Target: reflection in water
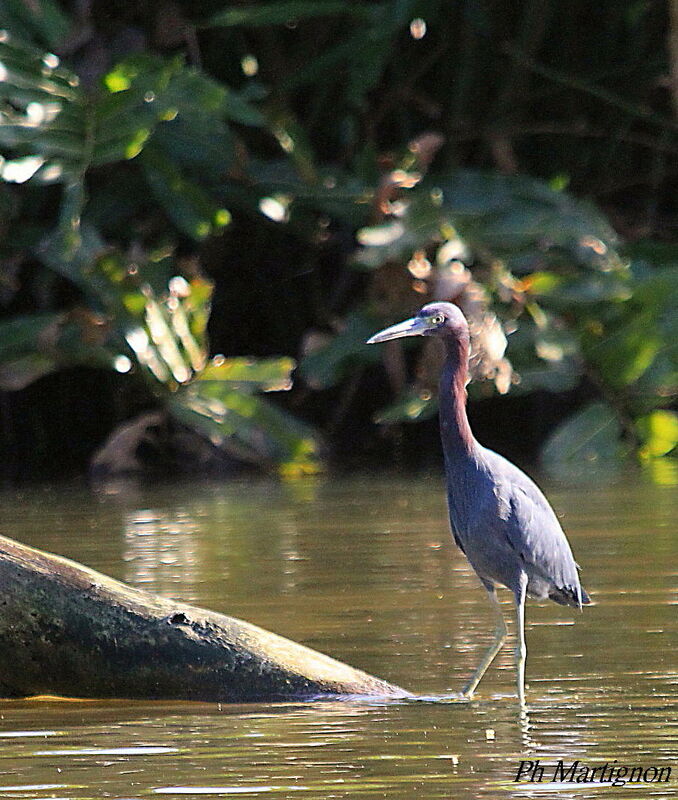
334,749
364,570
162,551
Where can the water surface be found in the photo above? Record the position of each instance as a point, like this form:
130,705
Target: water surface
364,570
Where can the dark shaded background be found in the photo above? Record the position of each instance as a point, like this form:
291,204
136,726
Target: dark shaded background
574,93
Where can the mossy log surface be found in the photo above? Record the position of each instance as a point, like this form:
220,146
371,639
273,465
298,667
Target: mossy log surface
68,630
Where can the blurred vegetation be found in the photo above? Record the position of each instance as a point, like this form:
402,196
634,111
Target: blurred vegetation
328,168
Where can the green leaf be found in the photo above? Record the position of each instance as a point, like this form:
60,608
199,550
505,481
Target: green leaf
41,113
590,438
511,213
654,252
556,379
197,307
240,109
336,193
268,435
327,366
23,334
596,288
18,373
191,209
544,357
156,317
200,144
658,432
32,345
413,405
79,266
542,283
42,21
628,341
25,345
192,93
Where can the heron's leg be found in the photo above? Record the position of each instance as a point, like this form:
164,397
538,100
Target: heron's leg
500,634
521,647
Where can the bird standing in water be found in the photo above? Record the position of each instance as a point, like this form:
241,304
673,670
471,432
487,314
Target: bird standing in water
499,517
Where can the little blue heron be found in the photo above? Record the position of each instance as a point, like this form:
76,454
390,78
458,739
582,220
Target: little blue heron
499,517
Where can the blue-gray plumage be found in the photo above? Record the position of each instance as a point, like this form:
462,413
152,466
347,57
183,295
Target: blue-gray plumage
499,517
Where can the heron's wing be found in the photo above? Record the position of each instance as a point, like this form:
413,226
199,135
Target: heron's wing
457,540
534,532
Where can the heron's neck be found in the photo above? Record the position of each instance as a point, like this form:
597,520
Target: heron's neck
455,431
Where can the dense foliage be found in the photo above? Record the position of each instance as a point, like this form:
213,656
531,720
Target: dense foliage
331,166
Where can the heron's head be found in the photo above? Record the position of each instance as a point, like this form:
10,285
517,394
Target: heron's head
434,319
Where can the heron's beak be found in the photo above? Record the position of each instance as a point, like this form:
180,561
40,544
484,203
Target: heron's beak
411,327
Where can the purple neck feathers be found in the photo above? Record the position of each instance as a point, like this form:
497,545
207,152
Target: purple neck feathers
455,431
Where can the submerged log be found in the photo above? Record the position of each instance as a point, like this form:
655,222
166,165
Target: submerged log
68,630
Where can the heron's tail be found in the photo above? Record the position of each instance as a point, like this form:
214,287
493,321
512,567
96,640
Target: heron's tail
569,596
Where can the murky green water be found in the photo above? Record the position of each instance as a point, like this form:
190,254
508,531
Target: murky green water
364,569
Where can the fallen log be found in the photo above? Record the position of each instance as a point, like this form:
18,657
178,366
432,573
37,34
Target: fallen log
68,630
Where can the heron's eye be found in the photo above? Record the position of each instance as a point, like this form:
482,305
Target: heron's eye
438,319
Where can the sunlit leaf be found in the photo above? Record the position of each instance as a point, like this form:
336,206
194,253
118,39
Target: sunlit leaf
159,326
541,283
624,351
197,306
270,374
658,432
157,315
268,435
42,114
73,133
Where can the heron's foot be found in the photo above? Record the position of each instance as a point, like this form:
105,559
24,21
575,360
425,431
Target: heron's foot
520,692
457,697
